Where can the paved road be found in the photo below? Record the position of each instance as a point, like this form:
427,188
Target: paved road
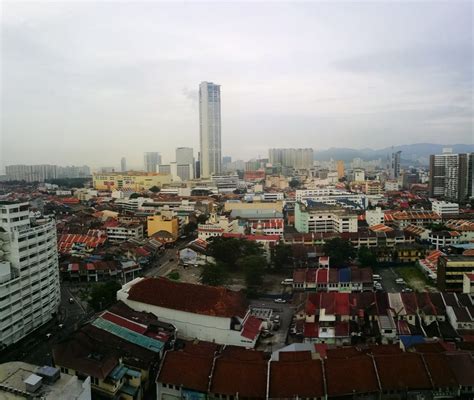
36,347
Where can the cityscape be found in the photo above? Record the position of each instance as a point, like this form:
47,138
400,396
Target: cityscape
281,261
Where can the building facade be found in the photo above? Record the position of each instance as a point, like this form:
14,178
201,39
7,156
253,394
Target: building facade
210,128
323,218
151,160
292,158
29,272
451,176
136,181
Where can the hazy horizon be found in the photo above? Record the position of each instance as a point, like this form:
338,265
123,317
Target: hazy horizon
91,82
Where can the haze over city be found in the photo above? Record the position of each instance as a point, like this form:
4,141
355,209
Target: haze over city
89,82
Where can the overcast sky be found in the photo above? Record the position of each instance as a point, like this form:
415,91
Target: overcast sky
90,82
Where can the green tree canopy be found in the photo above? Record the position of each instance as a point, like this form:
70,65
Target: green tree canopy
229,250
155,189
294,183
134,196
281,255
366,257
339,251
214,274
254,269
103,295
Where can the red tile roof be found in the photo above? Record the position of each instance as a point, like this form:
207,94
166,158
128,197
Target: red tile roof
322,275
251,327
349,376
234,375
123,322
441,375
292,379
187,297
402,371
187,369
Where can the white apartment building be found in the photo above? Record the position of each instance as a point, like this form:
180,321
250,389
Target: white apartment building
210,129
324,218
391,186
375,217
332,196
124,232
444,208
29,272
359,175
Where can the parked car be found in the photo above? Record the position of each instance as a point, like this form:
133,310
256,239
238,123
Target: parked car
400,281
287,281
279,301
266,334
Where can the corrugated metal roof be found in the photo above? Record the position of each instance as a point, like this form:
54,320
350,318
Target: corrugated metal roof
128,335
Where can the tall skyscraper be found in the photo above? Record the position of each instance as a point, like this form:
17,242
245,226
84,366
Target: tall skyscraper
451,176
151,160
123,164
395,165
210,128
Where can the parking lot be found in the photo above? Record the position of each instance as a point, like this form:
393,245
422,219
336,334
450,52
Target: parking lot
278,338
414,279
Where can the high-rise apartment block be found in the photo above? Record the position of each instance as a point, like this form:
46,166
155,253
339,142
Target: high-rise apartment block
184,155
340,169
151,160
123,164
185,163
395,165
210,129
292,158
29,272
41,173
451,176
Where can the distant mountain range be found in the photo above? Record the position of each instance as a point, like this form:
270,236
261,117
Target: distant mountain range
412,154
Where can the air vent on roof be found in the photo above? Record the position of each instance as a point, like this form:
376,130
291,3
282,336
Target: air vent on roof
33,383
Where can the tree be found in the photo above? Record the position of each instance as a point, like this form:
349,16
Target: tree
294,183
189,227
134,196
229,250
103,295
254,269
366,257
281,255
214,274
437,227
155,189
339,251
201,219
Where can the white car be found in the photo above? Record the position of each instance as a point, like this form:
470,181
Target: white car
279,301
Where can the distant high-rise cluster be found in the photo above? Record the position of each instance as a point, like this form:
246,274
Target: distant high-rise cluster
451,175
43,172
151,161
210,129
292,158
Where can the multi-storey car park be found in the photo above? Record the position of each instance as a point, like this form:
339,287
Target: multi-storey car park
29,273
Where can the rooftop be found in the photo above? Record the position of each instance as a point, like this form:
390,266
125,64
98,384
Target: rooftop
187,297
